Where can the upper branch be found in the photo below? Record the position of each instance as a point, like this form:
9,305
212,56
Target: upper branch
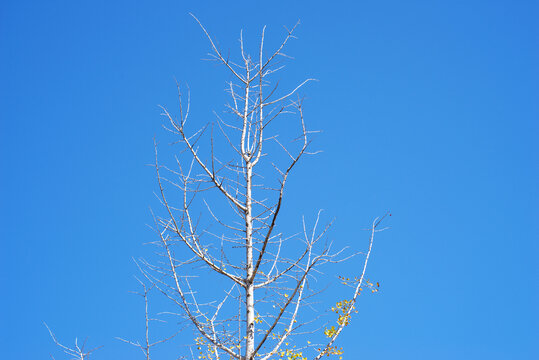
211,175
218,53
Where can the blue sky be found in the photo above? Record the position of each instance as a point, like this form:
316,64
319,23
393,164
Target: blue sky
427,108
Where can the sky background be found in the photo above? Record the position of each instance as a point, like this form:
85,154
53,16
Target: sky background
428,109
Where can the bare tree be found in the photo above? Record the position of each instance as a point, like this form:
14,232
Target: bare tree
224,227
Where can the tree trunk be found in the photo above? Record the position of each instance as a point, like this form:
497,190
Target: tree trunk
249,289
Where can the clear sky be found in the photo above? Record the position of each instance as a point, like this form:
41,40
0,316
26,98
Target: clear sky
428,109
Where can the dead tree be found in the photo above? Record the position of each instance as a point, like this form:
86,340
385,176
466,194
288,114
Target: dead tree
223,227
265,323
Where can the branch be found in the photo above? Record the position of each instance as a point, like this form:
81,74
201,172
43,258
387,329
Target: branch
357,291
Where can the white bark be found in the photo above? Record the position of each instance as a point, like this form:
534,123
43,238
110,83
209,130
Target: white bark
249,278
